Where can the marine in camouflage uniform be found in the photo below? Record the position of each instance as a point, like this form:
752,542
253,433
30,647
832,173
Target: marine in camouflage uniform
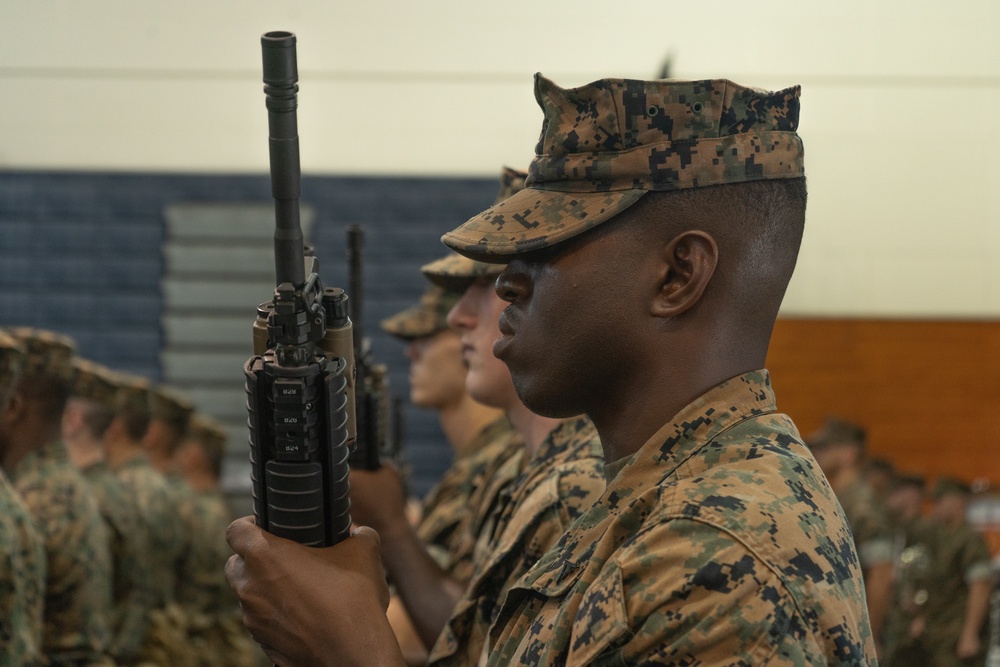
448,502
63,507
22,553
170,415
166,642
957,564
88,414
215,631
719,541
457,510
527,515
840,449
560,482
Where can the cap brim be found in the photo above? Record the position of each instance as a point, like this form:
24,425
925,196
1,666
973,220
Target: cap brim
534,219
414,322
455,272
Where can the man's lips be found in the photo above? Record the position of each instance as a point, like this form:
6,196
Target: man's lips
500,345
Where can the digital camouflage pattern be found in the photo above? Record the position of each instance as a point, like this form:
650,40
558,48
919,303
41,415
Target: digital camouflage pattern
559,484
132,598
605,144
168,405
92,382
160,521
910,562
424,319
11,363
956,556
77,557
450,500
202,585
718,543
211,609
505,459
22,551
869,524
48,352
511,182
22,581
455,272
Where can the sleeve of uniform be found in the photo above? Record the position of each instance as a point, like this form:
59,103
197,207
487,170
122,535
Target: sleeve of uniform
976,559
683,592
874,537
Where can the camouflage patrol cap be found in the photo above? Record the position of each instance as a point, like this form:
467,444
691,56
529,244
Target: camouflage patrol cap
93,382
424,319
133,392
606,144
511,182
168,405
455,272
212,437
11,361
950,485
837,432
47,352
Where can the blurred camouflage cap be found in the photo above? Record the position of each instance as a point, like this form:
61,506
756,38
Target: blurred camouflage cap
11,361
93,382
605,144
169,405
837,432
424,319
455,272
133,391
47,352
950,485
212,437
511,182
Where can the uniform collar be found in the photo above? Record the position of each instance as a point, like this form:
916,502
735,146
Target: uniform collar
714,412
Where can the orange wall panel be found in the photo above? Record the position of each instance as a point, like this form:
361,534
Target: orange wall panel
927,391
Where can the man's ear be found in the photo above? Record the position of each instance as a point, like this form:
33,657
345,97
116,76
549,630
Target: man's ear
13,411
689,262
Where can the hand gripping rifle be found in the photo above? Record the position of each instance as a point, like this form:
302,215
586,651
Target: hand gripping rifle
300,381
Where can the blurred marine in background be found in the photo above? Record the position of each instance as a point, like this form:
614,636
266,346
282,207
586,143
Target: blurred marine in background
22,552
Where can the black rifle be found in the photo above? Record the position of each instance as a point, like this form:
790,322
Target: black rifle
300,381
371,382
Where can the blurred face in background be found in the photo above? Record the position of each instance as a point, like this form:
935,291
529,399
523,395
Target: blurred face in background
476,317
950,508
905,502
437,371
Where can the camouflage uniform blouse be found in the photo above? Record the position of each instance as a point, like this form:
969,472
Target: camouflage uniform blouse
869,524
448,501
78,561
957,557
503,460
131,593
22,582
719,543
563,479
160,519
203,589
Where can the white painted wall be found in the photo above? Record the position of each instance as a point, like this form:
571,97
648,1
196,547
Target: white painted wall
897,106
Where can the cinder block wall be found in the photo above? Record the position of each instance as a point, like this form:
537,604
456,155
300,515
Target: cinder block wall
83,253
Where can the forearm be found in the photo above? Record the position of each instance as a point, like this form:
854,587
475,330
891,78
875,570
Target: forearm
976,607
878,588
426,590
